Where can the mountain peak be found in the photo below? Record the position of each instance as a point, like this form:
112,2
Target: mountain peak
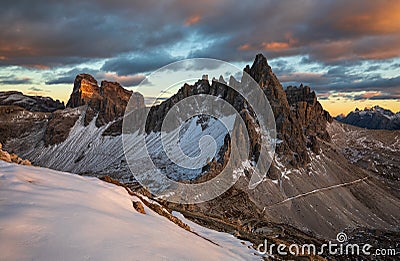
85,89
375,117
261,72
108,100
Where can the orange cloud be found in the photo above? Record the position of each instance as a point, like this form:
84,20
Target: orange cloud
244,47
279,46
38,66
381,17
368,95
193,19
275,46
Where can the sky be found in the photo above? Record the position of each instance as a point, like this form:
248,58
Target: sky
347,51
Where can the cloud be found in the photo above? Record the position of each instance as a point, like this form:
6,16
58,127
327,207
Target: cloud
193,19
14,80
55,33
309,78
61,80
138,63
66,32
125,80
67,77
35,89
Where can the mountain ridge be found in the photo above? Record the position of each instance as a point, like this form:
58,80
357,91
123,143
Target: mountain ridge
375,117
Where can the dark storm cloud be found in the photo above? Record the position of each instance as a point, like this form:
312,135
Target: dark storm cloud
62,32
67,32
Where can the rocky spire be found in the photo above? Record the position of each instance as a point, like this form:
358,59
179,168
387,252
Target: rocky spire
299,117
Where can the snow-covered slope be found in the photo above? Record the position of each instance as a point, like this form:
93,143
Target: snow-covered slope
51,215
87,151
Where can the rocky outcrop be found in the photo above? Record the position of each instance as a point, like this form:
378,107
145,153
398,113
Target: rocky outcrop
375,118
12,158
107,101
30,103
59,125
17,123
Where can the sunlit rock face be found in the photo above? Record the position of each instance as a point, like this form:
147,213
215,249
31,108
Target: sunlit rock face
107,101
85,91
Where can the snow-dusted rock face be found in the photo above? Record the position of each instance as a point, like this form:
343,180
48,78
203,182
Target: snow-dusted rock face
374,118
51,215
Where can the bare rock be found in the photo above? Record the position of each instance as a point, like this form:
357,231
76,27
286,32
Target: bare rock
12,158
5,156
138,206
59,126
108,100
26,162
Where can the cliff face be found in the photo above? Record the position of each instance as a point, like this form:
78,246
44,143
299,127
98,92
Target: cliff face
299,117
309,114
108,101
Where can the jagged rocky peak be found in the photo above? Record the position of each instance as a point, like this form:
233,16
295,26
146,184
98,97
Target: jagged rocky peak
262,73
108,101
296,94
300,118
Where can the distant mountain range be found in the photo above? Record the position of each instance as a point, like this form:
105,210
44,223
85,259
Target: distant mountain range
376,118
30,103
